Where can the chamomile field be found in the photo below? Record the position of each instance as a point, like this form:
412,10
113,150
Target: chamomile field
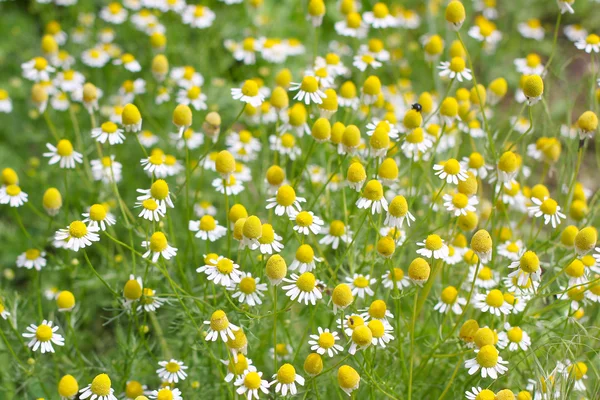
318,199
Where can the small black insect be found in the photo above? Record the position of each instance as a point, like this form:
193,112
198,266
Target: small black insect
417,107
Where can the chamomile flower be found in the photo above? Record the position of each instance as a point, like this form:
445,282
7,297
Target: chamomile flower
95,57
590,44
250,383
576,372
230,185
530,65
269,242
308,90
114,13
372,197
198,16
43,336
249,290
349,323
99,217
207,228
166,392
459,204
5,102
493,302
286,379
158,246
159,192
337,233
450,171
285,145
325,342
549,209
395,279
32,258
238,367
99,389
449,300
362,338
303,288
433,246
149,302
219,326
37,69
381,331
13,195
359,284
348,379
172,371
222,271
455,69
514,338
476,393
364,61
488,360
531,29
306,222
106,169
352,26
249,93
77,235
285,201
63,154
486,277
154,164
574,32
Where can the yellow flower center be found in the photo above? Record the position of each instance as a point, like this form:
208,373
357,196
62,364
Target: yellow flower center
361,282
225,266
207,223
485,274
377,328
449,295
77,229
433,242
250,88
286,195
199,11
13,190
219,321
452,167
164,394
377,309
40,63
549,206
306,282
326,340
593,39
159,189
64,148
373,190
337,228
101,385
248,285
97,212
309,84
194,92
43,333
305,253
286,374
495,298
460,200
304,219
252,380
172,366
150,204
158,242
515,334
288,141
362,335
487,356
457,64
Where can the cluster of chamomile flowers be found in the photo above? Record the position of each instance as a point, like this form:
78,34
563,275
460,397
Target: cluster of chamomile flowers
320,156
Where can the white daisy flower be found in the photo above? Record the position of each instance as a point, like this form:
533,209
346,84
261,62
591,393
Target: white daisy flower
32,258
222,271
171,371
77,235
359,284
325,342
207,228
303,288
158,246
488,360
492,302
249,290
63,154
43,336
514,338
